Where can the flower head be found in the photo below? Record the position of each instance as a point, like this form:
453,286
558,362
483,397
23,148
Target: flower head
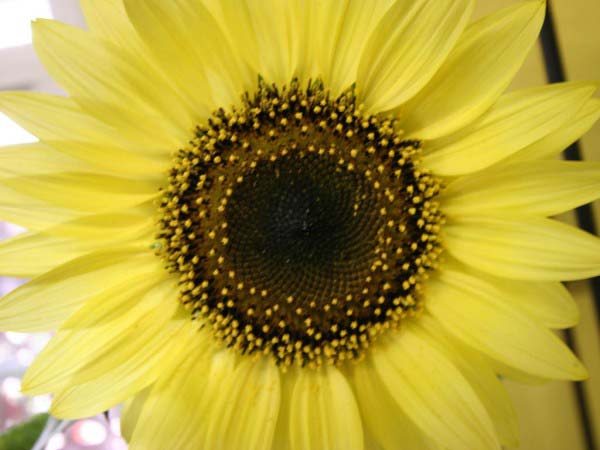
296,224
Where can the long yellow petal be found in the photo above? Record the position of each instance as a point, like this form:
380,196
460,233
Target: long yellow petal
406,49
111,159
171,413
477,314
432,392
117,88
235,20
128,223
475,73
126,302
130,363
482,379
91,329
108,20
132,408
33,216
543,188
383,418
53,117
198,57
517,120
29,212
324,413
282,438
30,254
524,249
46,301
560,139
278,37
547,302
27,159
358,20
91,193
244,413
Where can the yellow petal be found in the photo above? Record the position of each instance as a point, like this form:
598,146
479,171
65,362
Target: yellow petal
111,159
383,418
324,413
543,188
30,254
371,443
278,37
130,363
34,216
476,72
101,394
358,20
29,212
53,117
560,139
27,159
129,223
197,56
94,327
46,301
282,438
517,120
117,88
216,404
132,408
234,18
108,20
477,314
547,302
244,412
482,379
406,49
171,413
93,193
524,249
432,392
126,302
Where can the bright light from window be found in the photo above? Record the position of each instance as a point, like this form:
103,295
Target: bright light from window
10,132
16,17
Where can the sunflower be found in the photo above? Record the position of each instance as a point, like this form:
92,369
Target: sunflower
306,225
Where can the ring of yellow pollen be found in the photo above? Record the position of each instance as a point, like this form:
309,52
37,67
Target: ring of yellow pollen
299,226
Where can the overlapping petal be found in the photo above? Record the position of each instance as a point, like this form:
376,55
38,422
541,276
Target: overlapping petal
49,299
522,189
109,86
476,72
476,313
529,248
424,383
516,120
323,412
408,46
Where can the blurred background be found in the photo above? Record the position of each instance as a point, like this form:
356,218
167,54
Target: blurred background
555,416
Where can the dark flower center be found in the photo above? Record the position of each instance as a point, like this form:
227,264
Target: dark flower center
298,226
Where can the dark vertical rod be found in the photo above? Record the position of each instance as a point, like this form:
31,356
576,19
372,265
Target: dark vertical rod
585,218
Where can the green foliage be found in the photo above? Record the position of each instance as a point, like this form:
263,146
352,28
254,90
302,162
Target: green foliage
23,435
